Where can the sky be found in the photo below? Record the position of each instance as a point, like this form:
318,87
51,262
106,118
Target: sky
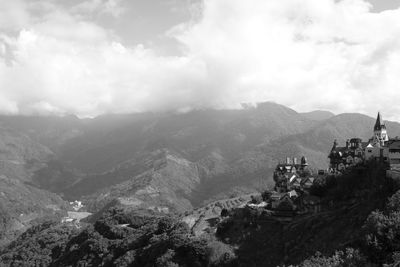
91,57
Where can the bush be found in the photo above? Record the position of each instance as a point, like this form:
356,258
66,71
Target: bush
256,199
220,254
266,195
224,212
348,258
394,202
383,236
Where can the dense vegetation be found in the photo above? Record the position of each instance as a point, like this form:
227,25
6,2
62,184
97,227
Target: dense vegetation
359,225
23,205
38,245
379,240
117,239
192,157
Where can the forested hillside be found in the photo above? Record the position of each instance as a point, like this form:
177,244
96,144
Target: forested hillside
180,159
169,163
358,227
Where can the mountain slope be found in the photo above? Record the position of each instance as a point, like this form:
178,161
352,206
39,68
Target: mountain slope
115,148
22,204
194,134
166,186
20,156
318,115
229,150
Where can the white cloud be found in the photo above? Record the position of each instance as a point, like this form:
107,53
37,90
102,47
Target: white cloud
13,15
306,54
101,7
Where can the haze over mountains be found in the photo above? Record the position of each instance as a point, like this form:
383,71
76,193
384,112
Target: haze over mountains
167,162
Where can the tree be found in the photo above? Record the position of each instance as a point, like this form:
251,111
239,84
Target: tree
257,199
394,202
348,258
383,236
266,195
224,212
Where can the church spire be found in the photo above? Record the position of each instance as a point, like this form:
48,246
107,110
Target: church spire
380,133
379,123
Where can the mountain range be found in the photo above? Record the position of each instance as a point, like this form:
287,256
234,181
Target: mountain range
169,162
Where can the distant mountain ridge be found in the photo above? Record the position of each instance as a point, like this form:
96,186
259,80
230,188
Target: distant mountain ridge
318,115
186,158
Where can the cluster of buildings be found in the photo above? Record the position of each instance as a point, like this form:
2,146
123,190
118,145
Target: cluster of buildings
379,147
293,181
292,175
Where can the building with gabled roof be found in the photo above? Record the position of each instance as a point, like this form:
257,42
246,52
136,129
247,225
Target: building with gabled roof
291,175
352,154
295,183
356,151
307,182
286,174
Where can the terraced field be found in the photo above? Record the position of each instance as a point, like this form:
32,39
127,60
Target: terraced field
204,219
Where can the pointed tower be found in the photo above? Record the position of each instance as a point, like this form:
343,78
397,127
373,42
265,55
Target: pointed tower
335,144
380,133
304,162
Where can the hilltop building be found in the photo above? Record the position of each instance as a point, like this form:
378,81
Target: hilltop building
378,147
293,181
380,133
349,155
290,175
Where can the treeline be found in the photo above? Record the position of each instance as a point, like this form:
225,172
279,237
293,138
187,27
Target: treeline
117,239
380,245
361,181
358,225
362,227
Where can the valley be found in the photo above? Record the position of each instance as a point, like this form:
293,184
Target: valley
171,163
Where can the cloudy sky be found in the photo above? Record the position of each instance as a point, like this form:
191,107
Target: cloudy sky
89,57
